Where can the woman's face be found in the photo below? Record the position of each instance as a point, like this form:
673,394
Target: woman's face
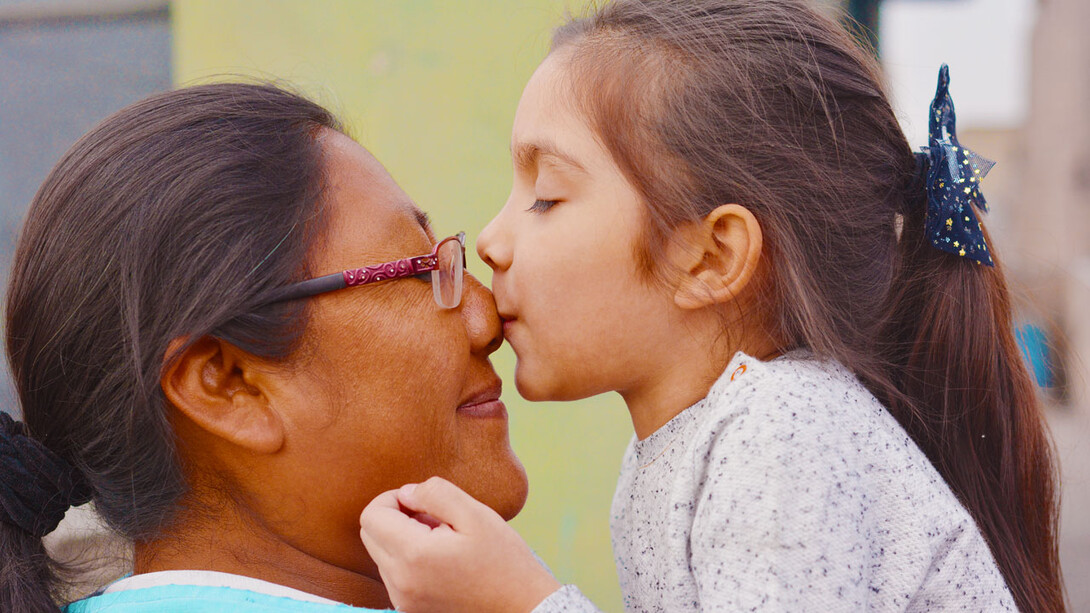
390,388
580,315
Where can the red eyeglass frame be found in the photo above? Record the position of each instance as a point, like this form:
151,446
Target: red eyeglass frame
415,266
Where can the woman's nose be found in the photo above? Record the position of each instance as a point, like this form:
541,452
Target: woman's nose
492,245
482,321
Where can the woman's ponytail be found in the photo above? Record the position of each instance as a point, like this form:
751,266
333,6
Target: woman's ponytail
37,487
27,574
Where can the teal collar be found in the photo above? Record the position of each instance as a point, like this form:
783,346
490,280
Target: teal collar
199,599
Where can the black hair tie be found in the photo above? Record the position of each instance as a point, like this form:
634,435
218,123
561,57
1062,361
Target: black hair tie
37,487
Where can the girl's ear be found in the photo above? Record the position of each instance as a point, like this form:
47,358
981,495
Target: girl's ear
221,390
719,257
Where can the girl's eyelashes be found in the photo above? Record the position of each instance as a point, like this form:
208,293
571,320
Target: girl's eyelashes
540,206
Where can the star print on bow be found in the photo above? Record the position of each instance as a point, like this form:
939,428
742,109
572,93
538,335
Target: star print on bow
953,183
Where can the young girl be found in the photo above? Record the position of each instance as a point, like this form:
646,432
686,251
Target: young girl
715,214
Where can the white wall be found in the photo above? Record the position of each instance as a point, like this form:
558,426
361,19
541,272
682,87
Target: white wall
985,42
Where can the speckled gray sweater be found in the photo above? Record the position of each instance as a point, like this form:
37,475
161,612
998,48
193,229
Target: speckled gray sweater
790,488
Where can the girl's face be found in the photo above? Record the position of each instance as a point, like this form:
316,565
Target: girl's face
580,315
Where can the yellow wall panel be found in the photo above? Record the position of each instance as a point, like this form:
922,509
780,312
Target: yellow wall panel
430,87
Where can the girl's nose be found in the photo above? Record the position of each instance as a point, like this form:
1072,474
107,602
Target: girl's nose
493,245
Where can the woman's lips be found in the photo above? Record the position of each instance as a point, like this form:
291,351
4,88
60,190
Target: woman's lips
487,408
485,403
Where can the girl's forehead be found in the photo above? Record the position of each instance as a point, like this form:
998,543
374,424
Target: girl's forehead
549,129
547,99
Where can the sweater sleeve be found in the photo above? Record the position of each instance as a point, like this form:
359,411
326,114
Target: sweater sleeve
568,599
779,519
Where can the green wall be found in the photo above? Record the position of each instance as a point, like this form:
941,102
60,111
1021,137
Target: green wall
430,87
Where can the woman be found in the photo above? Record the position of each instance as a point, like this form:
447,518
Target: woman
182,360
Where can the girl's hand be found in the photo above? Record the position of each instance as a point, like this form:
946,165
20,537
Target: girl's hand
439,549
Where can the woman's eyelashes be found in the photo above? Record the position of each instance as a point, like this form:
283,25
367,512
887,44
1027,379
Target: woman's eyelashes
540,206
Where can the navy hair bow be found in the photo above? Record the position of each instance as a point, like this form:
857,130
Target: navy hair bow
953,183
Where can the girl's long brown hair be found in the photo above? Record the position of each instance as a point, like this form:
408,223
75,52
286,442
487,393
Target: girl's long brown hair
770,104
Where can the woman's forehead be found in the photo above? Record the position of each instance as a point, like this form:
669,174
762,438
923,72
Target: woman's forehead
370,215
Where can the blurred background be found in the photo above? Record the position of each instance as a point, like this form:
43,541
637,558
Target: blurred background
430,87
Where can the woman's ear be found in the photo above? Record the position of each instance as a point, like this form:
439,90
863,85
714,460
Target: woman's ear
719,257
220,388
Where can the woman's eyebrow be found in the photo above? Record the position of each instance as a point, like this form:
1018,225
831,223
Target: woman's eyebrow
529,154
423,219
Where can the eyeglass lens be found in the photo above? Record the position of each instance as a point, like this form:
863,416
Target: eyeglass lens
447,279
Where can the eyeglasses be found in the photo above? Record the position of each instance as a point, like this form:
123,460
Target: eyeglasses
446,265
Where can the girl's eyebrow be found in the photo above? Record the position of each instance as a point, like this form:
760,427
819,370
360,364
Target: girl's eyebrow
530,154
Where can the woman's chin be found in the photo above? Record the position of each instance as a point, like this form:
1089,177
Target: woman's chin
506,494
520,490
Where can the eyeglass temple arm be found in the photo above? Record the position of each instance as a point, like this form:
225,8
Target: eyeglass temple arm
419,266
310,287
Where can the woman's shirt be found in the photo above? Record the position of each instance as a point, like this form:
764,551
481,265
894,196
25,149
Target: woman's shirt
791,488
199,591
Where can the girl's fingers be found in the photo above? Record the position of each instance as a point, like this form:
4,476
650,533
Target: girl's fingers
386,499
445,502
471,557
385,527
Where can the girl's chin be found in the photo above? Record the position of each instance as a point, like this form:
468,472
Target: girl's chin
531,386
535,387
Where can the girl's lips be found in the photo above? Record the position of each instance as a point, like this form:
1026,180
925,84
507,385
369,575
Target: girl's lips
507,324
485,408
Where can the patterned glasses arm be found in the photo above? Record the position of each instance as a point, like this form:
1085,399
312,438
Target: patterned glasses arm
407,267
417,266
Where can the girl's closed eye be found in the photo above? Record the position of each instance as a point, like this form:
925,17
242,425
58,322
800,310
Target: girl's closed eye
541,206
